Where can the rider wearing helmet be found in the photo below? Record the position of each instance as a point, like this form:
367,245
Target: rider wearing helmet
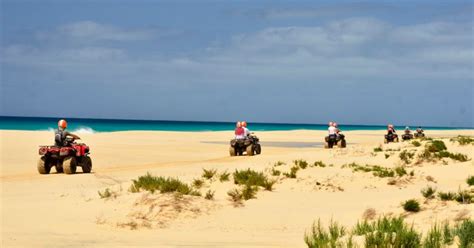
246,130
61,134
407,130
239,131
332,129
419,130
390,129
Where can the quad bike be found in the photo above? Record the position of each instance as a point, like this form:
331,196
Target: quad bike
250,146
419,135
65,158
332,140
407,136
393,137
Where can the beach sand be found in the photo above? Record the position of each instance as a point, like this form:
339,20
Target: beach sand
66,210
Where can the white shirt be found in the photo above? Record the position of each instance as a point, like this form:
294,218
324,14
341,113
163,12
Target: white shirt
332,130
246,131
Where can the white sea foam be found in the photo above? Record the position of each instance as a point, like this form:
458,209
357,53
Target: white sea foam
85,130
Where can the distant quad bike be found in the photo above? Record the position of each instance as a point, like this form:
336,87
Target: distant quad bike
250,146
407,136
66,159
391,138
332,140
419,135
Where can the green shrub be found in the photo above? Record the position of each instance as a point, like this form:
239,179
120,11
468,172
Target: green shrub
209,195
106,194
470,180
428,192
447,196
224,177
249,192
463,197
448,234
376,170
198,183
235,195
465,233
275,172
400,171
320,164
411,205
406,156
249,177
434,238
293,171
164,185
279,163
318,236
378,149
463,140
301,163
268,184
209,174
416,143
436,146
391,232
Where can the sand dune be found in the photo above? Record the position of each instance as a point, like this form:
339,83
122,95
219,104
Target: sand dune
66,210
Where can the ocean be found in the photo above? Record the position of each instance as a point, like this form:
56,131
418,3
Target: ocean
111,125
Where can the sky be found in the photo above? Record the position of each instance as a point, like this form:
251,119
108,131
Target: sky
355,62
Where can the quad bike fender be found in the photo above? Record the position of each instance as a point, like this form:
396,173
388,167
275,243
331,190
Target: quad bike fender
64,151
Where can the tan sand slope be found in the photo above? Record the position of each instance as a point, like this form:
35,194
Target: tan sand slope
66,210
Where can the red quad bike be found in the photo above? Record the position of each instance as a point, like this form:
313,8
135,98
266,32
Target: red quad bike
65,159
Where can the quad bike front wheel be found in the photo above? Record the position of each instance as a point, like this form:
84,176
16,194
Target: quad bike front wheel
395,139
232,151
341,144
258,149
249,150
86,164
44,166
70,165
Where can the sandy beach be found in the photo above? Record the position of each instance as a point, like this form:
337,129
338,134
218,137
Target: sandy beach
59,210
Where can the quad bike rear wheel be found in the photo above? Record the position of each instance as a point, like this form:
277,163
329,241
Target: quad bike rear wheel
86,164
385,141
44,166
249,150
395,139
326,145
70,165
258,149
232,151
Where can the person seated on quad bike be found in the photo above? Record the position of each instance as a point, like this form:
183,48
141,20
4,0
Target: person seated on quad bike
60,134
332,130
419,130
407,130
239,131
390,129
246,130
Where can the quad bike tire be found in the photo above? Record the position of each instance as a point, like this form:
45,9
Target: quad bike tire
86,164
258,149
59,168
70,165
326,145
44,166
385,141
249,150
232,152
341,144
395,140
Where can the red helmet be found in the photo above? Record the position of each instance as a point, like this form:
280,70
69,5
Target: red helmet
244,124
62,124
238,124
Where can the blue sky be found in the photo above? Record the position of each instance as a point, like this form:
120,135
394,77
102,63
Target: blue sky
374,62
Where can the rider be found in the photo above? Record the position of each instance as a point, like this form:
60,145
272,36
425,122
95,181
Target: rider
407,130
239,131
390,129
332,130
419,130
246,130
61,134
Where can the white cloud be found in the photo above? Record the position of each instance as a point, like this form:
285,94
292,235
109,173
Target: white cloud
92,31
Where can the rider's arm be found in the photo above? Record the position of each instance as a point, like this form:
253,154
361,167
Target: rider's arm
73,135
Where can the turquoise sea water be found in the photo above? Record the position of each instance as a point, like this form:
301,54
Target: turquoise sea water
109,125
